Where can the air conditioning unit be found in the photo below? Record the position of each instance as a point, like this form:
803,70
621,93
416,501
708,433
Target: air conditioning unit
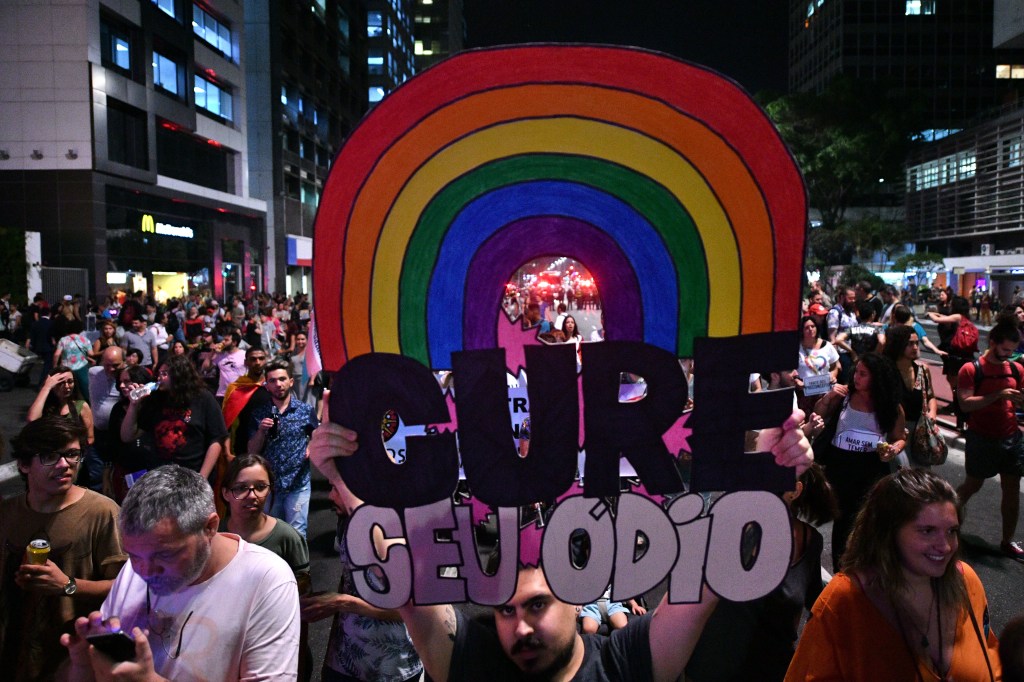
1000,252
986,249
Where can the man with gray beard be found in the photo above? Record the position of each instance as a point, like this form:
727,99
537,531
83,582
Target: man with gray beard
214,606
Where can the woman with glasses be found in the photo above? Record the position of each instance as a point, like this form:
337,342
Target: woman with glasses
246,486
60,397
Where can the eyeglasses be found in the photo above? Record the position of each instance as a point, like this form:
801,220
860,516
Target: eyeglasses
162,625
239,492
48,459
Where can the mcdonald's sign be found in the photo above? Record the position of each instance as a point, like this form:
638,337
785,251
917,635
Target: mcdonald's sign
151,226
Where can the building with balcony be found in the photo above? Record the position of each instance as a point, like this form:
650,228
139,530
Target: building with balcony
123,142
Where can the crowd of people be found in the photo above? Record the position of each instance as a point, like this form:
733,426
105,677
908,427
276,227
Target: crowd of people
173,492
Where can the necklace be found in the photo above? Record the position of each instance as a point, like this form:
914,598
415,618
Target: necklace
924,632
924,642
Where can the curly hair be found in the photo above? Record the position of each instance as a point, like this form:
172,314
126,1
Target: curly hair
893,502
886,388
186,383
896,341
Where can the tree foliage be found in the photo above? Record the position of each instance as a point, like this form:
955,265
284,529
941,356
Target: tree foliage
844,141
915,262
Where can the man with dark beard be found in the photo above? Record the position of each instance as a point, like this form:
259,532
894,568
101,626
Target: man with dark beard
199,604
534,635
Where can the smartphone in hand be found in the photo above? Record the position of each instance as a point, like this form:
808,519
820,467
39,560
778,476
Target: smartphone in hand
116,645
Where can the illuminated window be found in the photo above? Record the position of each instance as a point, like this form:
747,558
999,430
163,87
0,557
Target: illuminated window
1013,151
918,7
376,94
1010,71
211,31
167,6
165,73
968,164
374,25
116,46
213,98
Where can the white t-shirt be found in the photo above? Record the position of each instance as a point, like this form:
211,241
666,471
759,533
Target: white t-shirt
816,361
244,622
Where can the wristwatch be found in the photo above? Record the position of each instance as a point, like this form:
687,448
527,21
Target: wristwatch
71,587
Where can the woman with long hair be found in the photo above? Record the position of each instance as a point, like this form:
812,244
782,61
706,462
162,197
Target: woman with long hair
107,338
180,421
60,395
131,457
865,429
948,320
817,358
903,347
571,332
904,607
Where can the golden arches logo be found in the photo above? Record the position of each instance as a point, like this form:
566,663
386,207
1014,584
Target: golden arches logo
148,225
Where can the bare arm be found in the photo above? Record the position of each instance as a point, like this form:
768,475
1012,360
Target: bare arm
86,415
972,403
945,319
35,410
432,629
319,606
210,460
675,629
129,427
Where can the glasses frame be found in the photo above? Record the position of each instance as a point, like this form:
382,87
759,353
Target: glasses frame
72,460
163,631
249,489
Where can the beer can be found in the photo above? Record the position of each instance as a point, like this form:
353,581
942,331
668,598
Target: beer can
305,583
38,551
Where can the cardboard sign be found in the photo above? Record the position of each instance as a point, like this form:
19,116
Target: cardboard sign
674,190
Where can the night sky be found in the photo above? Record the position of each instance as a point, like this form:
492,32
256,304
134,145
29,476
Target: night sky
743,39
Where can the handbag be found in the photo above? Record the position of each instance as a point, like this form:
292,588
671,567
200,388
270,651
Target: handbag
928,447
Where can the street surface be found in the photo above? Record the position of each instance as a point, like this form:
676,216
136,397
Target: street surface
1002,577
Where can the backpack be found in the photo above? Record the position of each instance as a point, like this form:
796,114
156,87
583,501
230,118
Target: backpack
965,340
978,373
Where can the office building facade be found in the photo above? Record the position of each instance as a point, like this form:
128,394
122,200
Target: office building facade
439,31
123,143
936,56
307,90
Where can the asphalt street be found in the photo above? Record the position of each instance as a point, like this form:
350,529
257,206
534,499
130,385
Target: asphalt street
1003,578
